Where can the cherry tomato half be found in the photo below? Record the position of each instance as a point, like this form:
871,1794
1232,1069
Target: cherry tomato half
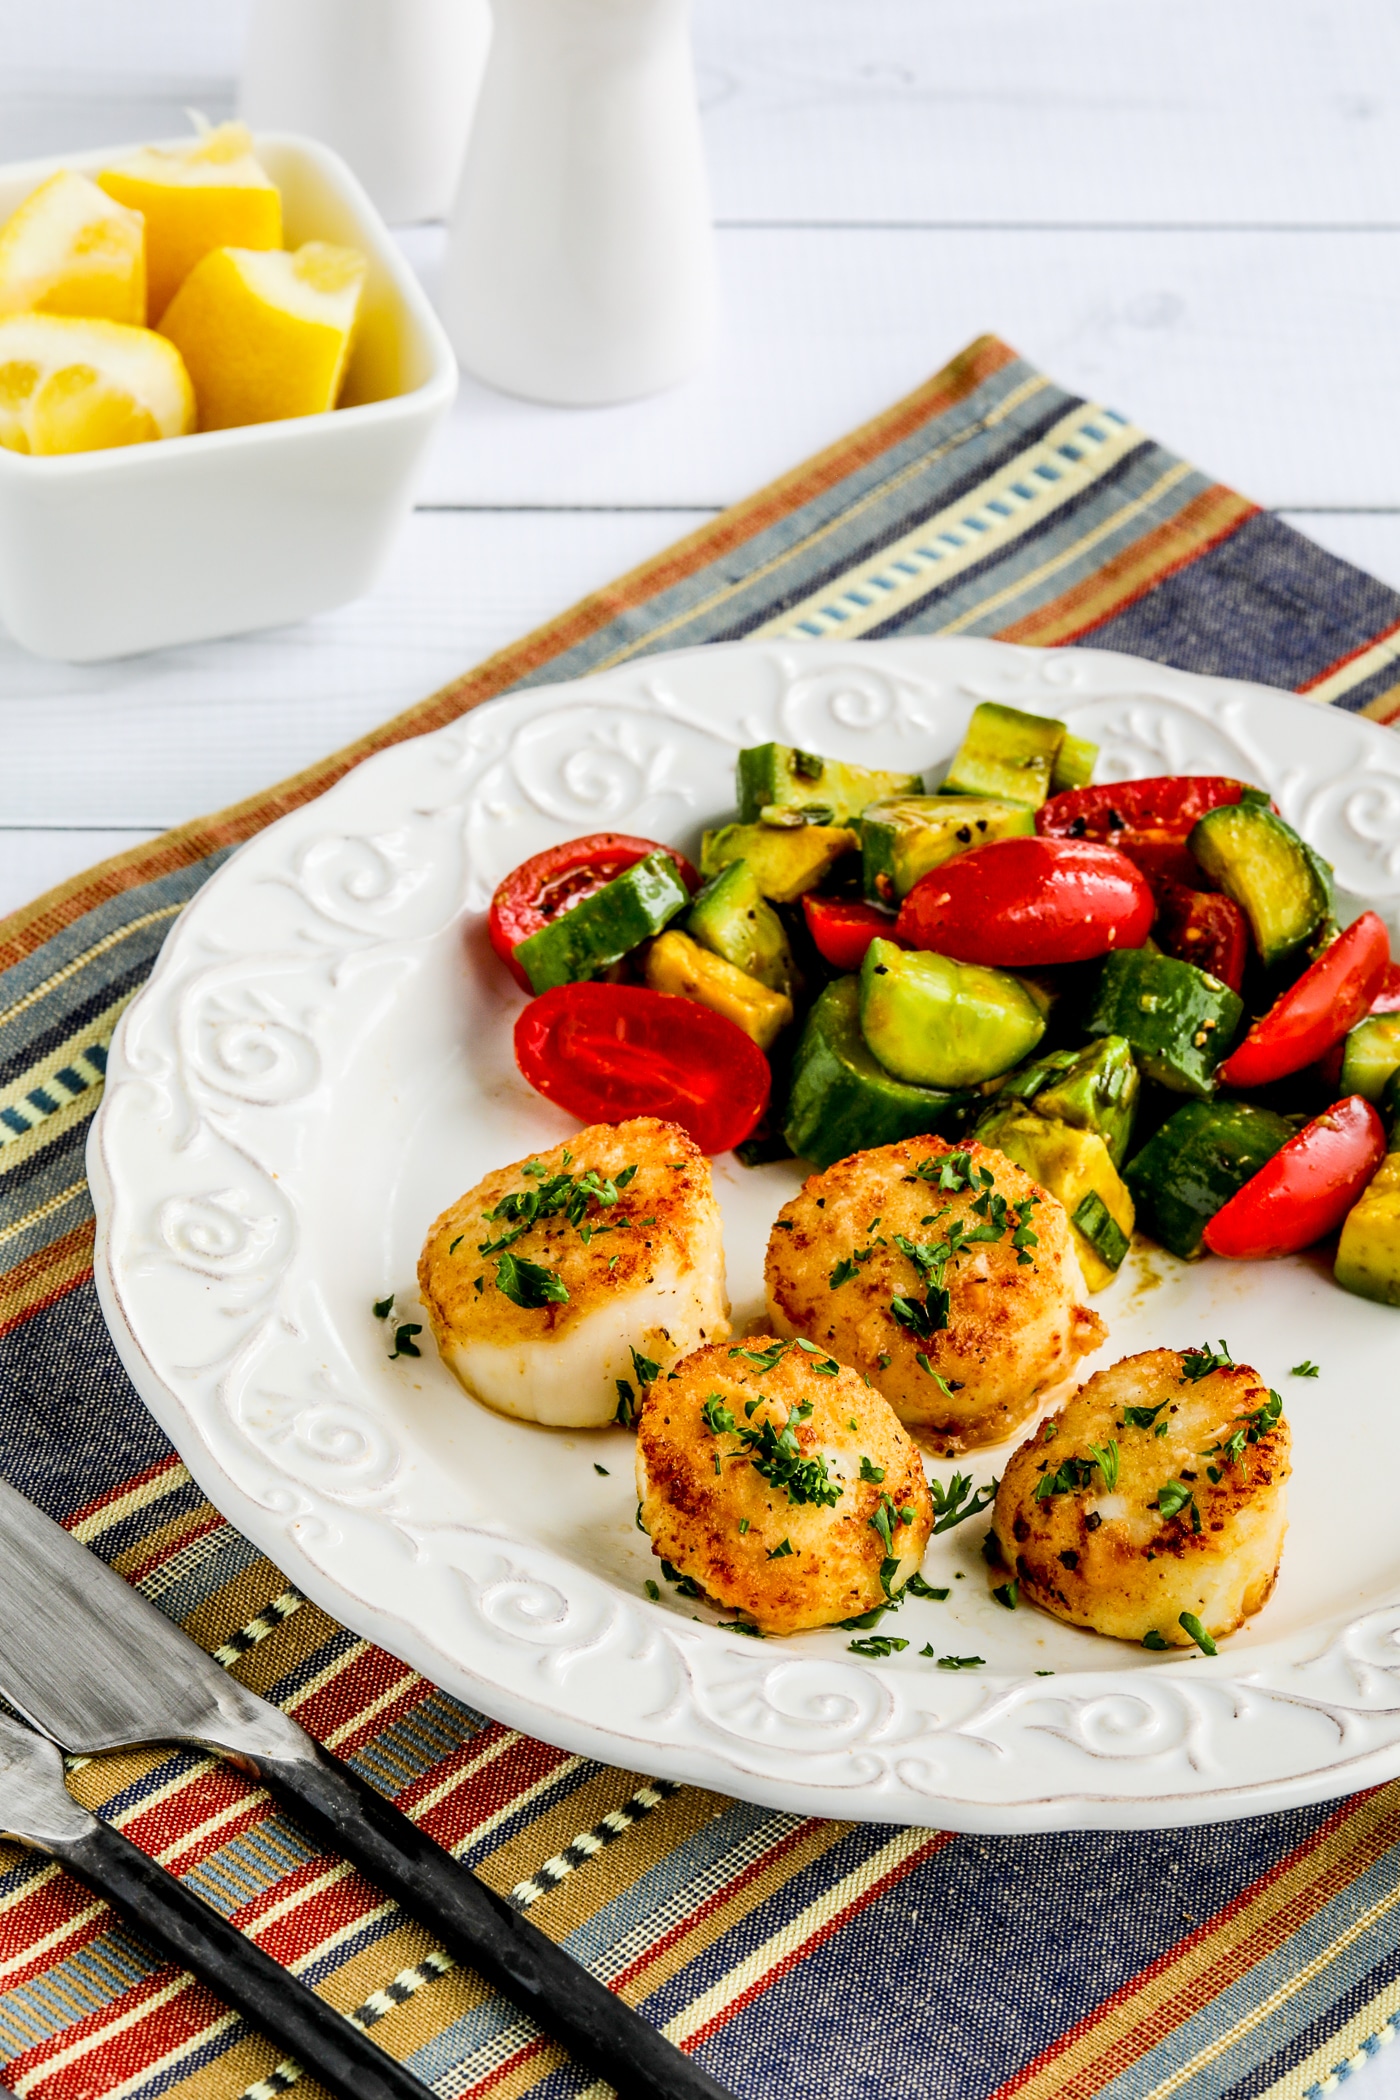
1018,903
606,1052
554,881
1203,927
1305,1190
842,928
1330,997
1149,820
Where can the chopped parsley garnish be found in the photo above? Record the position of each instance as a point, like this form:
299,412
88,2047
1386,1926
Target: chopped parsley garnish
922,1317
646,1372
719,1419
1105,1457
1007,1595
939,1380
871,1472
957,1502
878,1645
962,1662
383,1307
1306,1369
527,1284
766,1359
1197,1631
404,1344
743,1526
917,1587
844,1272
571,1196
781,1552
1141,1417
1250,1428
1199,1363
601,1469
827,1368
1068,1478
1049,1431
885,1521
1155,1640
683,1583
652,1590
1173,1497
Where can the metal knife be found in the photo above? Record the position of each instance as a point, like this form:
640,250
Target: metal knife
95,1666
37,1808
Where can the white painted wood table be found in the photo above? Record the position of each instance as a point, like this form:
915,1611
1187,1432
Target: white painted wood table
1187,208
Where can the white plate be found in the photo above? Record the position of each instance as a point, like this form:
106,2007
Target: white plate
321,1061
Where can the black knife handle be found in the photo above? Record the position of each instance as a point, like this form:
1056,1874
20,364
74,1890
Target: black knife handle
184,1927
480,1930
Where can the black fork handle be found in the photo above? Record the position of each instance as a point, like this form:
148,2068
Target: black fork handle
186,1929
481,1931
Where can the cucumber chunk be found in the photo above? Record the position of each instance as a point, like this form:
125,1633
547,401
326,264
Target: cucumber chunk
1179,1021
823,790
786,861
601,929
1074,764
1282,886
1096,1089
1075,1167
1196,1162
901,839
1370,1055
1006,753
842,1100
732,918
941,1023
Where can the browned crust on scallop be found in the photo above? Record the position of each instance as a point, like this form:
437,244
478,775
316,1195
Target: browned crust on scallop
652,1222
1015,1329
1130,1574
693,1514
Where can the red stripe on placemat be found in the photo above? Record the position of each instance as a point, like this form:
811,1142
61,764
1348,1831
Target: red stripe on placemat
732,1888
825,1931
53,1917
1127,2049
169,1549
492,1790
143,2040
1350,657
318,1916
173,1464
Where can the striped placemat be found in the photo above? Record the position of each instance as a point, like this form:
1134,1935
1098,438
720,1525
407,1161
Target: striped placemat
798,1957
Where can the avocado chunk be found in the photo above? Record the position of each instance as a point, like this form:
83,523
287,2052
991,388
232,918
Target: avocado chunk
785,860
842,1100
599,930
675,963
1368,1252
941,1023
1178,1020
1199,1159
732,918
901,839
1096,1088
1370,1055
776,778
1074,764
1281,885
1074,1165
1006,753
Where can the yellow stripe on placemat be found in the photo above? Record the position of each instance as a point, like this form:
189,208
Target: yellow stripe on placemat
1139,2019
1342,2054
1074,454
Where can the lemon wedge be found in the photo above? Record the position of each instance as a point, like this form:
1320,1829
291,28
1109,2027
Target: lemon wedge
74,385
208,194
70,249
267,336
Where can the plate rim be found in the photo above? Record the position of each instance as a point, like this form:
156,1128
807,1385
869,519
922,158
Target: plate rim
693,1763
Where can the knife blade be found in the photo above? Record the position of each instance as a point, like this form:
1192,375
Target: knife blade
96,1666
37,1808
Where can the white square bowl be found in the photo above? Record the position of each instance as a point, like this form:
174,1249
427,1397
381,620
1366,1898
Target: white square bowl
106,554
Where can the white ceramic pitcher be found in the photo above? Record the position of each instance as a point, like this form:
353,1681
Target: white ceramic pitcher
390,84
580,268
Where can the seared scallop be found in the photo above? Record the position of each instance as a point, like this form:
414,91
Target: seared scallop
1158,1494
945,1274
557,1286
780,1483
